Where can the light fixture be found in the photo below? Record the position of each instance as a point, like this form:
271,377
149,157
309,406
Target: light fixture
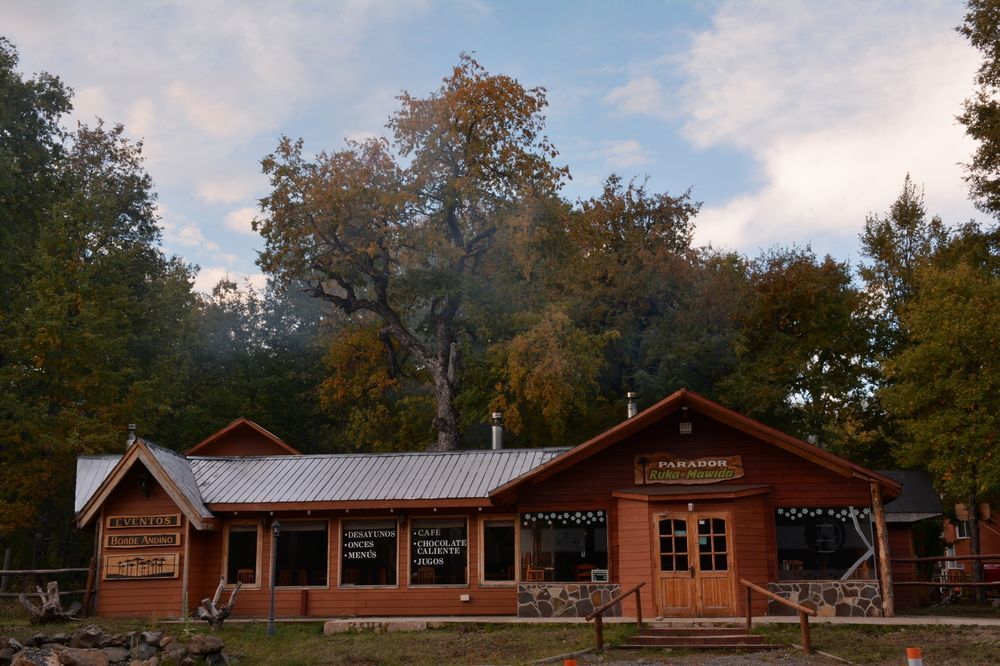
145,484
685,427
275,533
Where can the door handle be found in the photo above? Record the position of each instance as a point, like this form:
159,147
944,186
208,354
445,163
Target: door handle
691,570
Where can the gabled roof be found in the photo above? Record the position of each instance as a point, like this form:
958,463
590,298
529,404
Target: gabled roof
170,469
239,423
701,404
236,482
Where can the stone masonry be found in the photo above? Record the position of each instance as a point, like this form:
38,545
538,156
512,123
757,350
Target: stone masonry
842,598
565,599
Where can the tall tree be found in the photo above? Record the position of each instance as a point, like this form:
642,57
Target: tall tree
406,242
944,383
981,113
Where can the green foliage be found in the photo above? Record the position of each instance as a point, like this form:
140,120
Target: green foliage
981,113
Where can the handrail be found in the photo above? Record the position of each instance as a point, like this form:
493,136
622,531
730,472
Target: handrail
804,612
944,558
34,572
597,615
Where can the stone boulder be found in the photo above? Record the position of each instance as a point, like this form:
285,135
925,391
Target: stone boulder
35,657
117,654
205,645
82,657
87,637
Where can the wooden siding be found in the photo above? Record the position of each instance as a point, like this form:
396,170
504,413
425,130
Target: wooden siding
901,545
241,441
160,598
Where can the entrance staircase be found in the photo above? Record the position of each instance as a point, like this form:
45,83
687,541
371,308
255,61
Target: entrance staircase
698,638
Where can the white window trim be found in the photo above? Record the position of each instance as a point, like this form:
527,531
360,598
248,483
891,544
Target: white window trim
607,527
468,551
497,518
225,554
960,527
274,542
340,551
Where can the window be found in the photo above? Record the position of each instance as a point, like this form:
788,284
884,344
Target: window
241,555
825,543
301,557
499,554
962,529
564,546
439,552
949,551
368,552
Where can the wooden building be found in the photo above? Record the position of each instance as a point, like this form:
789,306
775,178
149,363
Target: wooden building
687,496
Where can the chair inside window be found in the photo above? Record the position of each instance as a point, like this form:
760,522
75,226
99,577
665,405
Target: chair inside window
245,576
425,576
534,574
583,572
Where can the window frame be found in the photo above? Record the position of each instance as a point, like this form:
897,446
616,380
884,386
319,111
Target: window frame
962,529
409,545
608,526
500,517
340,551
273,567
260,550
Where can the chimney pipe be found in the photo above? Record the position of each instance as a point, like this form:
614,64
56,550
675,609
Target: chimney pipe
130,439
497,431
633,406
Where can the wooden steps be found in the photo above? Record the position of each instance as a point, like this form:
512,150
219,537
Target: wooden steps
698,638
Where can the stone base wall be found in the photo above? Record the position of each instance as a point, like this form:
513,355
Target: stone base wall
565,599
843,598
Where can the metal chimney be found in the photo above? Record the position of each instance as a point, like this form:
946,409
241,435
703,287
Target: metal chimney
497,431
130,439
633,405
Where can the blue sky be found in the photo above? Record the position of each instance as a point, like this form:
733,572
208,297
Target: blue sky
791,121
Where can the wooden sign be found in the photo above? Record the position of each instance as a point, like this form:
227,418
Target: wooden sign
137,567
169,520
665,468
164,540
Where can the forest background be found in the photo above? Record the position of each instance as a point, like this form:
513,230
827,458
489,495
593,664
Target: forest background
421,281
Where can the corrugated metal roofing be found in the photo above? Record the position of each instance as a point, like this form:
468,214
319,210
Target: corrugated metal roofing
918,496
177,466
362,477
90,473
327,478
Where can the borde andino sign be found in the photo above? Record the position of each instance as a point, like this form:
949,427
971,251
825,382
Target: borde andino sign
665,468
142,540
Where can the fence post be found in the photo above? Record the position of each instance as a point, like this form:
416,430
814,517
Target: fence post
749,611
638,609
599,630
804,623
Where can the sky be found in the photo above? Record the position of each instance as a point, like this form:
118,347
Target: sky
791,121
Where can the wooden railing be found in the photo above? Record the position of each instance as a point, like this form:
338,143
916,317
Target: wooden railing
804,612
87,593
946,582
598,614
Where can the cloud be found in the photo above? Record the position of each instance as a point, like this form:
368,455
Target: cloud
834,104
226,191
208,277
625,154
240,220
642,96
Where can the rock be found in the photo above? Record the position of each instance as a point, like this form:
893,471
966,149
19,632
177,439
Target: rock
117,653
145,651
37,640
152,637
6,656
82,657
35,657
172,648
205,645
153,661
217,659
88,637
59,638
114,640
189,660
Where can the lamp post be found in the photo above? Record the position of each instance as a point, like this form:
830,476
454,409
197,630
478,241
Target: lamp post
275,532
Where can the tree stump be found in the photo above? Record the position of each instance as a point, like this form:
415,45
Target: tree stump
211,612
51,609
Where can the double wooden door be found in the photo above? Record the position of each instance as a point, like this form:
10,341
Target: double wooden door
695,562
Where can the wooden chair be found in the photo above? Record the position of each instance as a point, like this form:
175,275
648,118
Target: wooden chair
425,576
583,572
245,576
534,574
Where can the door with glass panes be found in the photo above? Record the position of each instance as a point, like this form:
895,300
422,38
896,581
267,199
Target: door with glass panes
695,564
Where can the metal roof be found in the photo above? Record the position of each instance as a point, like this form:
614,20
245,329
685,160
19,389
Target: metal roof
179,469
362,477
327,478
90,473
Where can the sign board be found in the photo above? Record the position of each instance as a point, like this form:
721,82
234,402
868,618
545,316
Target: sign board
165,540
366,544
170,520
665,468
145,566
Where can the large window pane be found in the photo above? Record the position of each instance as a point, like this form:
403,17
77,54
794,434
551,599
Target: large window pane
498,550
241,555
824,543
563,546
368,552
302,554
439,552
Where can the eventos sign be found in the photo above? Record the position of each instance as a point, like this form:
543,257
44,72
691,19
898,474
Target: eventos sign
665,468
